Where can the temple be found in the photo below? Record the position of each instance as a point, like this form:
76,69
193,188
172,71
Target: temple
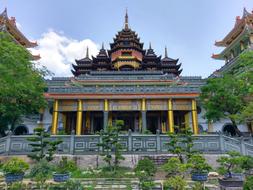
126,82
9,26
238,40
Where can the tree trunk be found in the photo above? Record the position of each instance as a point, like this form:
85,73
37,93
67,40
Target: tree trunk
238,132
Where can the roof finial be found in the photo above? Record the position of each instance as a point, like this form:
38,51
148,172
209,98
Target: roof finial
150,45
126,20
166,53
103,45
245,12
87,52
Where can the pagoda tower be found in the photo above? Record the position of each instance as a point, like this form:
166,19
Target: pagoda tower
8,25
126,53
238,40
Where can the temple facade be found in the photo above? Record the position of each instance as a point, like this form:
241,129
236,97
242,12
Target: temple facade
130,83
126,82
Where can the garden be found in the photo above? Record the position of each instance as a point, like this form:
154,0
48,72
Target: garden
184,169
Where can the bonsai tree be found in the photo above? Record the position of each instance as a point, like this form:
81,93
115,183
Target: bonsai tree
15,166
14,169
198,164
175,183
174,167
40,172
147,166
181,144
247,165
248,184
145,169
42,147
230,163
111,145
63,168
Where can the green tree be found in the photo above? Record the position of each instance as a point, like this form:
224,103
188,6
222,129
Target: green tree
111,145
42,146
181,144
223,98
22,83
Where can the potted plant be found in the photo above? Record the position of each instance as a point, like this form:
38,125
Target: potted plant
175,183
199,168
247,165
230,167
175,167
14,169
63,169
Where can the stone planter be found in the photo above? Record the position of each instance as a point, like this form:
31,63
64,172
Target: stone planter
61,177
10,178
230,182
199,176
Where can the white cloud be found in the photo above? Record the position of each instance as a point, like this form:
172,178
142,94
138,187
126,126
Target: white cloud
59,52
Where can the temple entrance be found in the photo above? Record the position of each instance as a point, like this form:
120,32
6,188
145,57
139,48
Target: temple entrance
70,119
130,119
96,122
155,120
179,121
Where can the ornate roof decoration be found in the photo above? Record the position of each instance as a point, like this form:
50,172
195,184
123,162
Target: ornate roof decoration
126,53
8,25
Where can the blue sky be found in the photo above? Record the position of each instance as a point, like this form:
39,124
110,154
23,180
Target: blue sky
188,28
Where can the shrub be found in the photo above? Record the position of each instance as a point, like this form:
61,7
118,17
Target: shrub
175,183
17,186
248,184
65,166
175,167
230,163
198,164
15,166
40,172
147,166
68,185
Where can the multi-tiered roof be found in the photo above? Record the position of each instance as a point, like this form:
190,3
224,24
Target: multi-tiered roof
9,26
239,39
126,53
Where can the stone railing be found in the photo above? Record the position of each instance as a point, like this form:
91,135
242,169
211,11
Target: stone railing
132,144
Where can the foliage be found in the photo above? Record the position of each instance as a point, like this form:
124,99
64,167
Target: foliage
104,172
40,172
65,166
230,95
175,167
146,181
68,185
147,166
232,162
22,83
17,186
198,164
223,98
15,166
198,186
111,145
247,163
42,147
181,143
176,183
248,184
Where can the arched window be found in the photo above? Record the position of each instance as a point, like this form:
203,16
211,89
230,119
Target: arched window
21,130
228,128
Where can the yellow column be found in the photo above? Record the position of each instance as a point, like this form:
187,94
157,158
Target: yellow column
106,106
194,118
210,127
55,117
79,115
170,117
143,105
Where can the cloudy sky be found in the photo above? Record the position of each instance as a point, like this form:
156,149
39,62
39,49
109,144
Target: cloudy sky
189,28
